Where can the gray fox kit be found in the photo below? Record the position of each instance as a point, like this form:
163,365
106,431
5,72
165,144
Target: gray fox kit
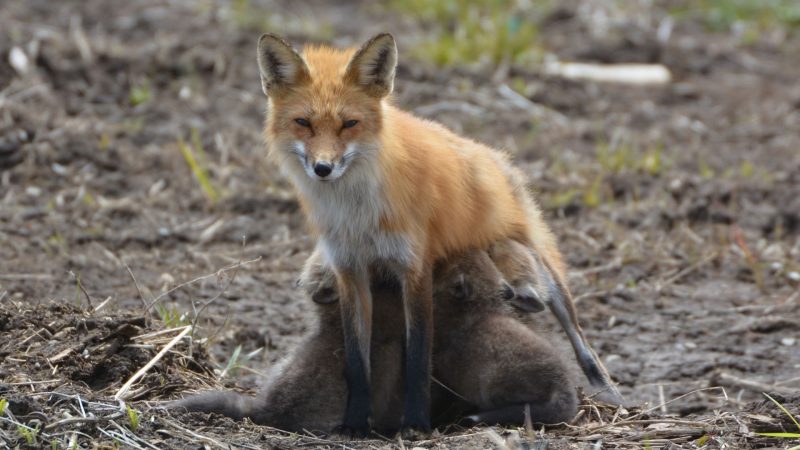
512,366
490,359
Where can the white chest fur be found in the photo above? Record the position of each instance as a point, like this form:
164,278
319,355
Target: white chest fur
348,213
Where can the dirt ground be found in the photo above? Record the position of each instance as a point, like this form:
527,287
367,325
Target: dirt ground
677,207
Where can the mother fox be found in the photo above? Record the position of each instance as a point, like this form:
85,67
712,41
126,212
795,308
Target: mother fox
382,190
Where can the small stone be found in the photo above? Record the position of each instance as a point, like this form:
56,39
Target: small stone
18,60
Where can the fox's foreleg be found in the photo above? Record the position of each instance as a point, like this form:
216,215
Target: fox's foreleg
356,307
418,308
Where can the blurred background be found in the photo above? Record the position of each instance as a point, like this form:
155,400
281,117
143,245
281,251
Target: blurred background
130,145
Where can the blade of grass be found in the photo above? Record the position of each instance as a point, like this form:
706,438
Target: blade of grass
782,408
781,435
200,173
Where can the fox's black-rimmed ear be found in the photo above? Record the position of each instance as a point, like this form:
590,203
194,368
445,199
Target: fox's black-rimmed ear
280,64
373,66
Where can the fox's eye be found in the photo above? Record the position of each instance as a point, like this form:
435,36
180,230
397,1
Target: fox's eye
350,123
303,122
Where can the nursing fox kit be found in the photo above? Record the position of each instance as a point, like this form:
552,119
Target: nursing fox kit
384,190
494,363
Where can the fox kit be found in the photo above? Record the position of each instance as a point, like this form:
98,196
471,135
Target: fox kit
508,365
381,188
306,391
488,358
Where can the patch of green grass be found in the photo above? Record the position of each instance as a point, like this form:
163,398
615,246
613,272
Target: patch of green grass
133,418
705,170
561,199
237,361
195,158
652,162
593,194
247,16
747,170
104,142
477,31
623,157
615,159
259,17
56,244
171,317
785,435
131,125
29,434
139,94
754,15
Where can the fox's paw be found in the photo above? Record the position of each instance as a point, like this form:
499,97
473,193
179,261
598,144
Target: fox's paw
415,434
350,431
415,427
319,284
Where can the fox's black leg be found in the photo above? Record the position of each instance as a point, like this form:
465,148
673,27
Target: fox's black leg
560,303
418,304
356,306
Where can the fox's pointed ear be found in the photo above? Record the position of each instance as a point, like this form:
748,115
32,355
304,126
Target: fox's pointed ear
280,65
373,66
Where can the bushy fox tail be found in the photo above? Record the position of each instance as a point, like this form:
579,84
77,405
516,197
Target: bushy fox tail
227,403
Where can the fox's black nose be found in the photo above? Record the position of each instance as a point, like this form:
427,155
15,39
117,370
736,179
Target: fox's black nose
323,168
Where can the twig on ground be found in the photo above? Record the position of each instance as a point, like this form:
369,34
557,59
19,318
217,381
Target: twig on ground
445,106
83,289
205,305
613,265
200,278
588,295
728,379
686,271
139,290
534,109
25,277
124,389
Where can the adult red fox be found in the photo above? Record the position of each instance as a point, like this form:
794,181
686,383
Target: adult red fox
381,189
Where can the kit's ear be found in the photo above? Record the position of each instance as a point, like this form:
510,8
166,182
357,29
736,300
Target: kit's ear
460,288
280,65
373,66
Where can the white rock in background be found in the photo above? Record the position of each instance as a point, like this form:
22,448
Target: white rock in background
18,60
610,73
